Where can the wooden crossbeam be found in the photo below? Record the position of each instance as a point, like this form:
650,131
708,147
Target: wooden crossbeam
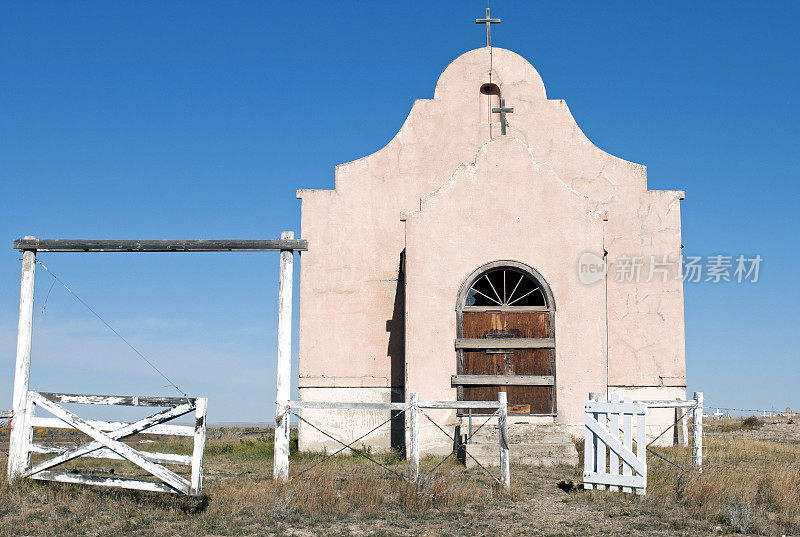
105,453
160,429
111,441
502,380
158,245
115,400
505,343
87,479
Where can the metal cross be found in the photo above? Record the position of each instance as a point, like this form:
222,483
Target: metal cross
503,111
488,21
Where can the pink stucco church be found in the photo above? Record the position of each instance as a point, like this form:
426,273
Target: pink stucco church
462,259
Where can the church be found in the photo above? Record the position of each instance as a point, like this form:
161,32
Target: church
481,250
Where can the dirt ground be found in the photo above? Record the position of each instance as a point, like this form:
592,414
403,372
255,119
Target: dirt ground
750,483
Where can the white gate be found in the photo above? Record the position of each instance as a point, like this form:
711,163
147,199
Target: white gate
107,442
605,423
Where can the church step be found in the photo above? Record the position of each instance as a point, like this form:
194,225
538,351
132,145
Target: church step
524,433
527,454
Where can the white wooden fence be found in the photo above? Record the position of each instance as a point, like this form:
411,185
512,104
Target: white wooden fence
603,422
412,408
107,442
610,433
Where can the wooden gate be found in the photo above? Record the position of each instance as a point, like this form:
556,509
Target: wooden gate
107,442
610,433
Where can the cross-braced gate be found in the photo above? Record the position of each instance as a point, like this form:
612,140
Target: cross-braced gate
604,420
106,441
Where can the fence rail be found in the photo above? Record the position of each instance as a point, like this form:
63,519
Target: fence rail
413,408
107,442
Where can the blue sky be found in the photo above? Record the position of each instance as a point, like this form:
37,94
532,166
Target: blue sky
200,120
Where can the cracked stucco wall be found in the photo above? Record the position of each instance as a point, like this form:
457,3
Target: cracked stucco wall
349,277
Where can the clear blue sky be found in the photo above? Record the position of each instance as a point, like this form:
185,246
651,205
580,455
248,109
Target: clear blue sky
200,120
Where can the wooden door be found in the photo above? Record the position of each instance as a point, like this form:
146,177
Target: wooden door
509,324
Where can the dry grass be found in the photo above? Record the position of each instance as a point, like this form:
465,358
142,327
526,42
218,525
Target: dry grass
742,480
241,498
747,485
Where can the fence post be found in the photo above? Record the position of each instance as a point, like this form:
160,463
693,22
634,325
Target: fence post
682,426
502,422
589,448
697,432
281,453
198,451
413,435
613,427
18,447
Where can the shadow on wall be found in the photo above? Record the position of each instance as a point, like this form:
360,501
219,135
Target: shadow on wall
396,326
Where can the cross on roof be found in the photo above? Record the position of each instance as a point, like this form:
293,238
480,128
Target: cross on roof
488,21
503,111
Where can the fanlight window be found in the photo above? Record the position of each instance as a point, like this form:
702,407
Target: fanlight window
506,287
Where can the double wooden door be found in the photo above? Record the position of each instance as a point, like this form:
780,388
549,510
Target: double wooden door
510,365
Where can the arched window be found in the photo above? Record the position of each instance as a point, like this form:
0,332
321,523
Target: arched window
506,338
506,287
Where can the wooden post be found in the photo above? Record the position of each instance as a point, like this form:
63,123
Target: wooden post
413,436
697,433
613,427
18,447
201,404
641,448
502,422
682,426
627,441
281,453
589,448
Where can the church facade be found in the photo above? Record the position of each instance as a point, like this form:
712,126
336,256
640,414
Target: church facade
466,257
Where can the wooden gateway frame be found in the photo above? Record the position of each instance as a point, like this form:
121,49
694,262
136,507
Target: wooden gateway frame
107,436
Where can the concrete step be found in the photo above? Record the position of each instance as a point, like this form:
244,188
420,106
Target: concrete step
529,444
527,454
524,433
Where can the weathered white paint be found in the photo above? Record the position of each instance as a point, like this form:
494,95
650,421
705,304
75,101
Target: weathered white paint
697,433
199,445
105,453
167,476
161,428
281,452
413,435
118,430
613,427
18,447
122,432
113,400
682,424
627,439
505,469
83,479
589,448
